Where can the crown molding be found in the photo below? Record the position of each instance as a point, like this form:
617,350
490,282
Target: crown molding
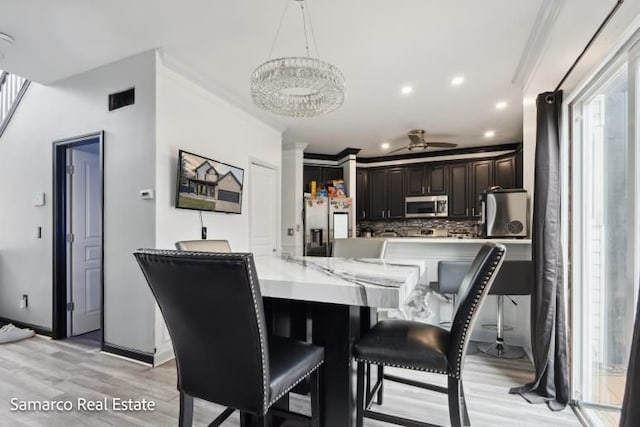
225,95
537,41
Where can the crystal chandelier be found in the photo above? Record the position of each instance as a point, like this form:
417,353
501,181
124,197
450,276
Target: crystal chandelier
297,86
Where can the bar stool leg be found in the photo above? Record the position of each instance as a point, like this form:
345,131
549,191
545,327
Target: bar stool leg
499,348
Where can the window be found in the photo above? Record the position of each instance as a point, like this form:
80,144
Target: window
604,224
228,196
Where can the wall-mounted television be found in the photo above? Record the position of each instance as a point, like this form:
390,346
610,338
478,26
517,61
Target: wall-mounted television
208,185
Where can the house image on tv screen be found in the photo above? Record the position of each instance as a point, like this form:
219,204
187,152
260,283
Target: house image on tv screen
209,185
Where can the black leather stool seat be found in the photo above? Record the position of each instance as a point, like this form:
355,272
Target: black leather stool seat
405,344
290,362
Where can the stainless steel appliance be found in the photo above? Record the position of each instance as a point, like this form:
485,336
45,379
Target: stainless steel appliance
325,219
426,206
505,213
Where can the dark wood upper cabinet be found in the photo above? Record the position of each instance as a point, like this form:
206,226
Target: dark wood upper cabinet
437,180
458,192
320,174
395,206
311,173
331,174
415,176
386,193
481,180
361,194
505,172
427,180
377,193
380,192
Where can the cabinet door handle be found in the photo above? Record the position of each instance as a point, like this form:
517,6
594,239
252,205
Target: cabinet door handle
382,214
473,211
363,214
423,189
388,214
466,211
429,189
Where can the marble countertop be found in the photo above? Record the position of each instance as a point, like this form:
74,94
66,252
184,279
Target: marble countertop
350,281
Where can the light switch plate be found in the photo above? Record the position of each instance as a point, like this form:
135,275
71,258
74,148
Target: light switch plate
38,199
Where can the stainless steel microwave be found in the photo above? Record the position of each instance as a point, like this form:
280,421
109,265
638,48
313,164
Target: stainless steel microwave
426,207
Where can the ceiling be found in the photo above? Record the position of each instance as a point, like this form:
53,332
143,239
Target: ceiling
380,46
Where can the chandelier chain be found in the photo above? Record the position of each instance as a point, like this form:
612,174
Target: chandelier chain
275,39
304,26
313,33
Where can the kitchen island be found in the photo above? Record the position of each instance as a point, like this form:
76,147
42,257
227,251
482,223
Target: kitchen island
434,249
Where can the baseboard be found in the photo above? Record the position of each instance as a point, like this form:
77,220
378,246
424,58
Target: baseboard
162,357
37,329
128,353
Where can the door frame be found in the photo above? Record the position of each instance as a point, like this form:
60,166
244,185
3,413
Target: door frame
278,225
60,258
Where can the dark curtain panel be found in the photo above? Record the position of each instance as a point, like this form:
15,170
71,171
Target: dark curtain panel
631,404
548,320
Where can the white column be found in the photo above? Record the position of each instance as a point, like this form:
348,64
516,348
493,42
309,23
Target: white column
349,174
292,197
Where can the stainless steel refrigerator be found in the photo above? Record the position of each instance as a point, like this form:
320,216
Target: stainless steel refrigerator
325,219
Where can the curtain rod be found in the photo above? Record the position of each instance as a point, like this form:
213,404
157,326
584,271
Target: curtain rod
593,38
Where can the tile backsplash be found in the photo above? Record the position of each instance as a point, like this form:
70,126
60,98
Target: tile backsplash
404,227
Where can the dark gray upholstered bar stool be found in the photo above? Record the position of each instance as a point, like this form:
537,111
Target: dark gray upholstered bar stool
515,278
419,346
212,305
450,276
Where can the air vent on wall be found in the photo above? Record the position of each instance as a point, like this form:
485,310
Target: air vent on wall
122,99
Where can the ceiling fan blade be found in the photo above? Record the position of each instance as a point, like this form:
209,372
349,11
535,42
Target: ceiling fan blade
441,144
396,150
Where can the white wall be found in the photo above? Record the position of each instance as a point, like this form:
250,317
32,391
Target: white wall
191,118
66,109
575,24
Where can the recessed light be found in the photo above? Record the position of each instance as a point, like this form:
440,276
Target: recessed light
489,134
406,90
385,145
457,80
501,105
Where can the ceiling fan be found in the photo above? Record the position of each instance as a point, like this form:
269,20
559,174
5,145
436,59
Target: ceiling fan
417,142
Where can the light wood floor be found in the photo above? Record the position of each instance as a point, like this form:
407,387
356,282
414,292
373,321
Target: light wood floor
41,369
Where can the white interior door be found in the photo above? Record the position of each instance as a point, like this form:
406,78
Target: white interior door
263,209
86,244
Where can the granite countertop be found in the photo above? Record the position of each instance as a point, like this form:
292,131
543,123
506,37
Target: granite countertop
350,281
